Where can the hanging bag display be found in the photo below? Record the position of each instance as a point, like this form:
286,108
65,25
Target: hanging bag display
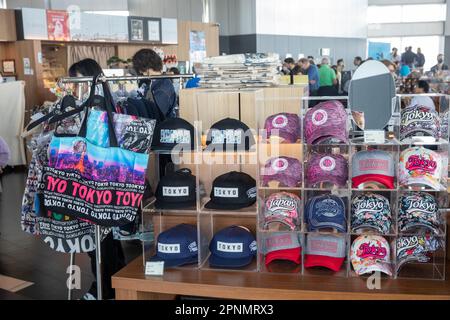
97,183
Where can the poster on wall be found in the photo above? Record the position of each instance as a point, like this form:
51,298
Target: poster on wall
379,50
58,25
197,46
34,24
169,33
136,29
154,30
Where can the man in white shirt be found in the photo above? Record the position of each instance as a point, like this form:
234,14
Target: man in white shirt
423,87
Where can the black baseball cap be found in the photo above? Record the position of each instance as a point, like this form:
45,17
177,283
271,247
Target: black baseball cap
232,191
176,190
230,132
173,132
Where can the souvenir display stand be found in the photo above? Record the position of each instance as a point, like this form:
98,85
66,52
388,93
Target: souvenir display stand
286,279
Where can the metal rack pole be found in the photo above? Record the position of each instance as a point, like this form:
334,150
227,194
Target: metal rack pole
98,262
72,262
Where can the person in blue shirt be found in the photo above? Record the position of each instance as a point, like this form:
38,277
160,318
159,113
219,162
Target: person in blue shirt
405,70
194,82
313,75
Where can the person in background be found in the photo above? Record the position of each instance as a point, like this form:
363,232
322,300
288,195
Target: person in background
392,68
440,66
395,57
422,88
147,62
311,60
405,71
339,70
288,66
112,254
420,60
409,58
313,75
85,68
327,78
357,61
176,82
193,82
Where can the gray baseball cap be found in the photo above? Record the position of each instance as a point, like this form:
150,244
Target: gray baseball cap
375,166
325,250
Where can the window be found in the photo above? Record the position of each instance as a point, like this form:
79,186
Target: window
407,13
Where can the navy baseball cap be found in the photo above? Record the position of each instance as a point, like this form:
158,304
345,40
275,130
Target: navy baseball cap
177,246
176,190
230,135
232,247
326,211
173,132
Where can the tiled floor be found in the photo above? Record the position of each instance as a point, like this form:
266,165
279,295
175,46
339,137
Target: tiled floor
28,258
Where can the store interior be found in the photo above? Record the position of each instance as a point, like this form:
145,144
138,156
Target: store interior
237,149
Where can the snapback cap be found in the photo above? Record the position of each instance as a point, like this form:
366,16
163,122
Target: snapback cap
419,119
371,253
327,120
230,135
176,190
327,168
371,211
287,171
177,246
283,125
232,191
327,211
422,166
325,250
373,166
173,132
282,208
232,247
282,246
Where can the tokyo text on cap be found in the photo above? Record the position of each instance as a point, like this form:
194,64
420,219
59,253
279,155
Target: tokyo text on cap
325,250
230,135
327,211
419,119
232,247
282,209
371,211
283,125
232,191
371,253
327,120
176,190
327,168
373,166
287,171
282,246
177,246
173,132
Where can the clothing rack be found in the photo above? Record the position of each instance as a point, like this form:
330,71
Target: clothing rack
99,79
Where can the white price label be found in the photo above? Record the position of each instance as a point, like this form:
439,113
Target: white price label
374,136
154,268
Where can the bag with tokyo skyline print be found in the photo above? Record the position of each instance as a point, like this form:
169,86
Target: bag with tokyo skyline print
100,182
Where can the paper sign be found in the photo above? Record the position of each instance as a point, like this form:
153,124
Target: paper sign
154,268
374,136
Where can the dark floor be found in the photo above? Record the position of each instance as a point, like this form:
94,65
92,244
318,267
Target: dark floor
28,258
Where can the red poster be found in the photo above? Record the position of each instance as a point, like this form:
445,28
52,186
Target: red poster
58,25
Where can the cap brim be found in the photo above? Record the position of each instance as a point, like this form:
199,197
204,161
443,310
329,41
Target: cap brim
294,255
284,222
419,181
216,206
380,266
325,225
318,138
386,181
331,263
355,228
175,205
171,263
417,224
219,262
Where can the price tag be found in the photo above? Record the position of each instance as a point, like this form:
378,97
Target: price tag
154,268
374,136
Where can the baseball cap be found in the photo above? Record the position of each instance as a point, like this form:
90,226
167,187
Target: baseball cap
232,247
327,168
325,250
284,125
177,246
327,120
282,246
373,166
444,125
420,166
230,132
282,208
287,171
371,253
371,211
418,210
327,211
173,132
416,248
419,119
232,191
176,190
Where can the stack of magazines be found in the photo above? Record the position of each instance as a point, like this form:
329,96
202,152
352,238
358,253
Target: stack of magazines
239,71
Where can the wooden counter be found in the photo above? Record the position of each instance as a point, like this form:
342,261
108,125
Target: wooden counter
131,284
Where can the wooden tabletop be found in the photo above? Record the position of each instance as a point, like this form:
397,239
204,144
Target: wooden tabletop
266,286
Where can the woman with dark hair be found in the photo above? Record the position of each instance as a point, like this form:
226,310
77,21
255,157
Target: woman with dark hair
112,254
